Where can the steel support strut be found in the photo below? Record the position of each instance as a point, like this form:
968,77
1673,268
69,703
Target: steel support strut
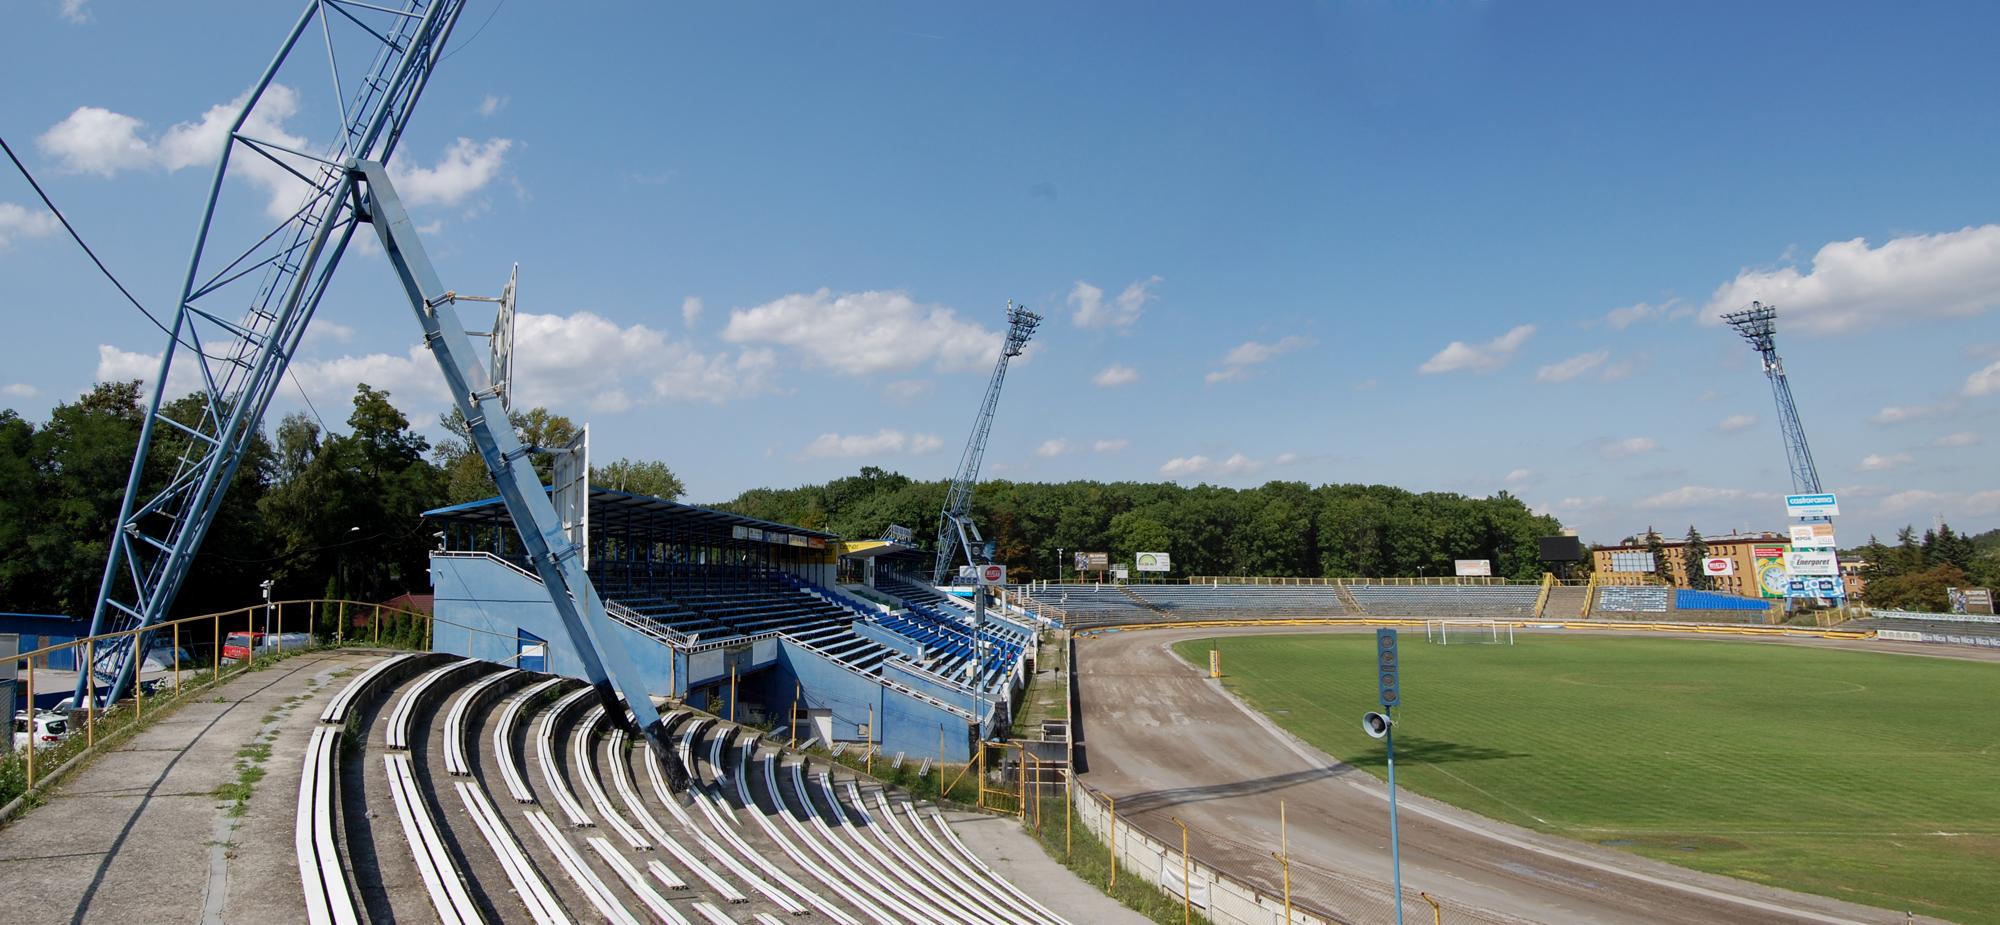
550,551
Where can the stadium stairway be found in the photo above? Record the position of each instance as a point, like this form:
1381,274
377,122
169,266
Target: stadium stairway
470,791
1567,602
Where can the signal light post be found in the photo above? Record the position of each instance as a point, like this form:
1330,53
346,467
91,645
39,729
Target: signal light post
1383,726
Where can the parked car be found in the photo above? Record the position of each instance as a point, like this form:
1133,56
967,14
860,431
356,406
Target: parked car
49,729
237,647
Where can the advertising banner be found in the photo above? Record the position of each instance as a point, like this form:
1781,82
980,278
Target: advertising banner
1820,505
1153,561
990,575
1820,587
1970,600
1093,561
1769,561
1809,563
1482,568
1813,536
1718,566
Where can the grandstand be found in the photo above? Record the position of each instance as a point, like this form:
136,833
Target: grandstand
1481,600
743,616
528,802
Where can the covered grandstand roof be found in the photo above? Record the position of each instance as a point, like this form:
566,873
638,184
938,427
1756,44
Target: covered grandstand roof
612,509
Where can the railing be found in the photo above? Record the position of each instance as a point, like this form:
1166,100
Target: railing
1934,617
406,629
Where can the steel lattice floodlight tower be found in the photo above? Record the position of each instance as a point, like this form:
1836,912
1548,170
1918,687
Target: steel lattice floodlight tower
251,290
954,529
1759,325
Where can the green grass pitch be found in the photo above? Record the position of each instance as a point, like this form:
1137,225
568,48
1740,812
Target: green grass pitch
1869,777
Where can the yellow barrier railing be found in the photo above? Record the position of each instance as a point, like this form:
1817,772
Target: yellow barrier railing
402,625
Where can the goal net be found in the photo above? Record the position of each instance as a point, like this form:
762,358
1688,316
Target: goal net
1469,632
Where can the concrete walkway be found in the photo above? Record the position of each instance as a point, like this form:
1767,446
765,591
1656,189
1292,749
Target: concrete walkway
142,834
999,841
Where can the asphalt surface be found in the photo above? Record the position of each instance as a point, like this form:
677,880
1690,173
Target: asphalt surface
140,834
1167,742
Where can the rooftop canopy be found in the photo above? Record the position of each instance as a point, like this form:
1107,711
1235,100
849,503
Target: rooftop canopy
627,530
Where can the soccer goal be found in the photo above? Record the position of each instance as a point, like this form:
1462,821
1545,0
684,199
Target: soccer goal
1469,632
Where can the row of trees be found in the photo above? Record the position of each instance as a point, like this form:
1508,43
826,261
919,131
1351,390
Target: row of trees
1915,573
317,511
1278,529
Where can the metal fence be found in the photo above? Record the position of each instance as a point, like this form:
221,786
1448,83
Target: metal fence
338,622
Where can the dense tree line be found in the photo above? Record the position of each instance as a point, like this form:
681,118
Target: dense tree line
1278,529
319,512
1915,573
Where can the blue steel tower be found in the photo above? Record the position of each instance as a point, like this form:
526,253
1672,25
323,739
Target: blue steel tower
1759,325
1021,324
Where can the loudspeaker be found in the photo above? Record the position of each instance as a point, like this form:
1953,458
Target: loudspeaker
1376,724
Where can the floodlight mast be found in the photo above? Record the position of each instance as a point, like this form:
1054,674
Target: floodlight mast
1758,324
954,522
240,364
237,356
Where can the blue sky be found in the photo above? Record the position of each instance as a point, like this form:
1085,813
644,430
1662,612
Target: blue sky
1450,246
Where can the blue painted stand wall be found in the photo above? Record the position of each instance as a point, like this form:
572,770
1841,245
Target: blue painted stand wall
482,606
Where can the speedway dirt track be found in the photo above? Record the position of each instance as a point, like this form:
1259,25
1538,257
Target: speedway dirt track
1165,741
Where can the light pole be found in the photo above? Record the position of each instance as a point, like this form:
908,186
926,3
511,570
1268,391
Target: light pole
1062,573
267,605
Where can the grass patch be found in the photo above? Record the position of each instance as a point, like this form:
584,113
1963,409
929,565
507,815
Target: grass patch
1090,860
1860,776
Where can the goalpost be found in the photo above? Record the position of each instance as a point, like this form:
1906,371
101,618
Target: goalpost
1469,632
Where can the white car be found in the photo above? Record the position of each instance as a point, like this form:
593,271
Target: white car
49,729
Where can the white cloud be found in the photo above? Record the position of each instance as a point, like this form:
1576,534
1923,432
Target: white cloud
1618,319
1982,502
1876,462
1573,367
115,365
19,390
1851,286
1912,500
1459,356
96,140
492,104
1285,459
866,333
1961,439
22,222
1700,496
1198,465
1115,375
73,10
1123,311
1111,445
1897,414
564,362
690,310
1629,447
1736,422
1520,476
1367,385
1236,363
466,167
903,390
1984,382
1054,446
880,443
